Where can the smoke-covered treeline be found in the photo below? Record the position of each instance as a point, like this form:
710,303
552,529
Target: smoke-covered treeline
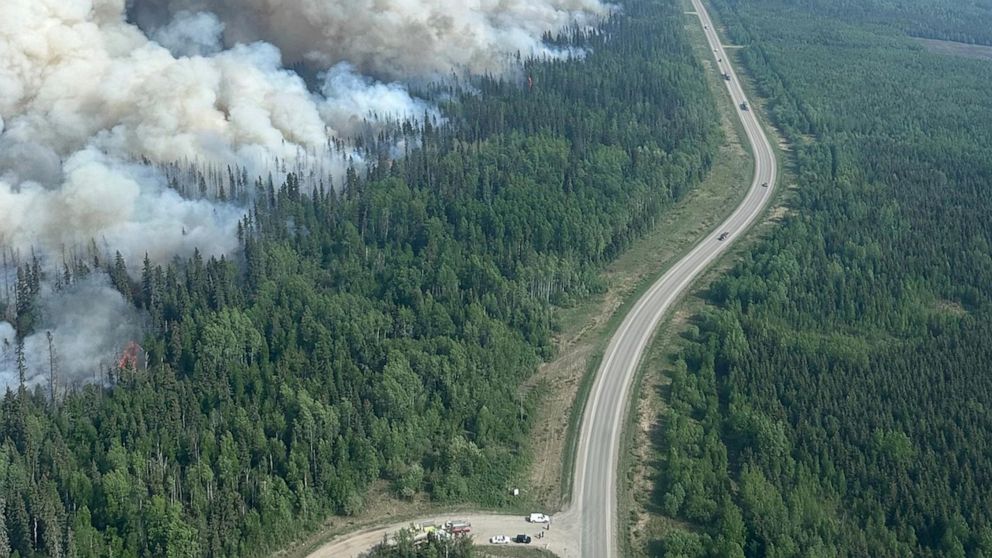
396,39
120,122
373,332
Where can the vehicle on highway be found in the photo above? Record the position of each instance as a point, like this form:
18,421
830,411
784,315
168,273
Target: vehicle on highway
744,105
522,539
499,539
538,518
764,184
723,236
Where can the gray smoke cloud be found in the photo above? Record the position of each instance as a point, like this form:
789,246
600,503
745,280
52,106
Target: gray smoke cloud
191,34
97,97
397,39
90,324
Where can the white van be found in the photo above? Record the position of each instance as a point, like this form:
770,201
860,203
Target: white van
538,518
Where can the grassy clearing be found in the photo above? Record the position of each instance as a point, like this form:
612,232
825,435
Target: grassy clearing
951,48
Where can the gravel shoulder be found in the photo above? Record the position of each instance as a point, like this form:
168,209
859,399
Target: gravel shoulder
558,539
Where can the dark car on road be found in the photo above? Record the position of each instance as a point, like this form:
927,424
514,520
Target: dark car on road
523,539
724,235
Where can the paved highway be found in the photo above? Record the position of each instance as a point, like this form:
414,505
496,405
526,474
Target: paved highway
594,497
589,527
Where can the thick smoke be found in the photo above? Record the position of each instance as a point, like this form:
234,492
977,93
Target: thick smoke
89,322
99,99
125,206
397,39
191,34
349,95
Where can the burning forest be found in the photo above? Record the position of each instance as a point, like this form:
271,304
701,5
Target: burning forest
142,130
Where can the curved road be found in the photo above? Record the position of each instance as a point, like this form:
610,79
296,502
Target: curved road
588,528
595,497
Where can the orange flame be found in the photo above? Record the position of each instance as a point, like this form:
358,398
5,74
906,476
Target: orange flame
129,358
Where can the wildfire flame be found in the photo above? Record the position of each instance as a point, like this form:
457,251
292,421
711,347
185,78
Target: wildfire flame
130,356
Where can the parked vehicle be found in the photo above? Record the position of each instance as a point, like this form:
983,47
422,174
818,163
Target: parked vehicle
499,539
538,518
458,527
522,539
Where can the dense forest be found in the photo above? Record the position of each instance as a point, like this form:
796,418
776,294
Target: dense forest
966,21
373,331
836,399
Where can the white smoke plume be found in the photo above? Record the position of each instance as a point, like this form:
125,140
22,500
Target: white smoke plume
125,206
80,85
350,95
99,97
397,39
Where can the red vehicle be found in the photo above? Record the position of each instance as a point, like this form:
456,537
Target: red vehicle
458,527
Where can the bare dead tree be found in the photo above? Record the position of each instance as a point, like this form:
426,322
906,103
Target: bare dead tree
52,368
